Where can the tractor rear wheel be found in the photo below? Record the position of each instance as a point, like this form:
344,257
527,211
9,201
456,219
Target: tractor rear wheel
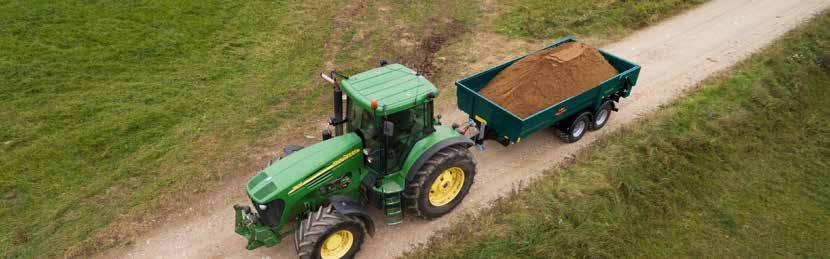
327,234
442,182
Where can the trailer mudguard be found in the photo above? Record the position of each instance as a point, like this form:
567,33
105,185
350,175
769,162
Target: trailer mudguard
442,138
350,207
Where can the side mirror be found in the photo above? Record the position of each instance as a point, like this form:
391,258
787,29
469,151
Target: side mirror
388,128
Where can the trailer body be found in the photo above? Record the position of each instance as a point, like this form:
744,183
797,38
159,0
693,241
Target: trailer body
505,127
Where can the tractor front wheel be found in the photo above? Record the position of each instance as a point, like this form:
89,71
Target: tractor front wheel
327,234
442,182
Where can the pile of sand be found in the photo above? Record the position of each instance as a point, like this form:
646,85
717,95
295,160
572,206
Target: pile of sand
548,77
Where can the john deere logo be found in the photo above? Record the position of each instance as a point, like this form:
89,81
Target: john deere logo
561,111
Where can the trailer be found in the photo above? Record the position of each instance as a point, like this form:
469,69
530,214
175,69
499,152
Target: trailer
573,116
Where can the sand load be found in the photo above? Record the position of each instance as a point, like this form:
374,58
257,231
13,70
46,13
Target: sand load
547,77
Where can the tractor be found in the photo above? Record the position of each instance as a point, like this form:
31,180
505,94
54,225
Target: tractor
389,151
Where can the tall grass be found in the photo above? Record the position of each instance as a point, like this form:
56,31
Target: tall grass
738,169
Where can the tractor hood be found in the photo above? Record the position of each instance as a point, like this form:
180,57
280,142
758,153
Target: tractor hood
293,170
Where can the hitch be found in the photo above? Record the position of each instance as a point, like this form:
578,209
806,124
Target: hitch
479,136
247,225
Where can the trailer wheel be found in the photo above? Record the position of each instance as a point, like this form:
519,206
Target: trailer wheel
576,129
602,116
328,234
442,182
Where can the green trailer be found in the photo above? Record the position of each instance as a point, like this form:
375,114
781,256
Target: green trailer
573,116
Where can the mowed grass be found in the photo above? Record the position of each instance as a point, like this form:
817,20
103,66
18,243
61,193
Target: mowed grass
107,103
604,19
737,169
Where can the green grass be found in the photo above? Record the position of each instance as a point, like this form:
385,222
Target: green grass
115,112
737,169
545,19
106,103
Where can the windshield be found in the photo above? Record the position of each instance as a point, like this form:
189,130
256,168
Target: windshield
409,127
364,124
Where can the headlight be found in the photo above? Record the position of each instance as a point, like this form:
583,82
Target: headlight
270,213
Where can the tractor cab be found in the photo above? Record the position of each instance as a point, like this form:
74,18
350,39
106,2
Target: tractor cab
390,108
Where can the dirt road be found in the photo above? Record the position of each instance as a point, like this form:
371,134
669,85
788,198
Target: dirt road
675,55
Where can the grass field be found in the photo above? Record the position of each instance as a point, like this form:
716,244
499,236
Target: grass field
117,111
105,104
737,169
541,19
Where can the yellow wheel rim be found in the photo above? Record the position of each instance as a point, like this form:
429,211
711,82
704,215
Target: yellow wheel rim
337,244
446,186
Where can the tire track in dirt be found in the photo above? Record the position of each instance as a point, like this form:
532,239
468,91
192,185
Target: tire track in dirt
675,55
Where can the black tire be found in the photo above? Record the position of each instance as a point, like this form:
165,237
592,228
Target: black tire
314,230
602,115
575,130
418,191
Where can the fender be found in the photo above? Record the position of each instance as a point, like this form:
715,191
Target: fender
350,207
460,140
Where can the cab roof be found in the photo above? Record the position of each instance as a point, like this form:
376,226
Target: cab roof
394,86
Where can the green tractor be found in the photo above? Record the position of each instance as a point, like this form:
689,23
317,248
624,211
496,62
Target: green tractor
388,151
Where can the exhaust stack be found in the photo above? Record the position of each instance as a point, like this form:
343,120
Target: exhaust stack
336,120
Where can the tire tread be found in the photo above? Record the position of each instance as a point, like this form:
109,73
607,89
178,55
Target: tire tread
413,191
318,223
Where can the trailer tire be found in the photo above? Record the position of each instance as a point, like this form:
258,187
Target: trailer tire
602,115
433,193
327,225
576,128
